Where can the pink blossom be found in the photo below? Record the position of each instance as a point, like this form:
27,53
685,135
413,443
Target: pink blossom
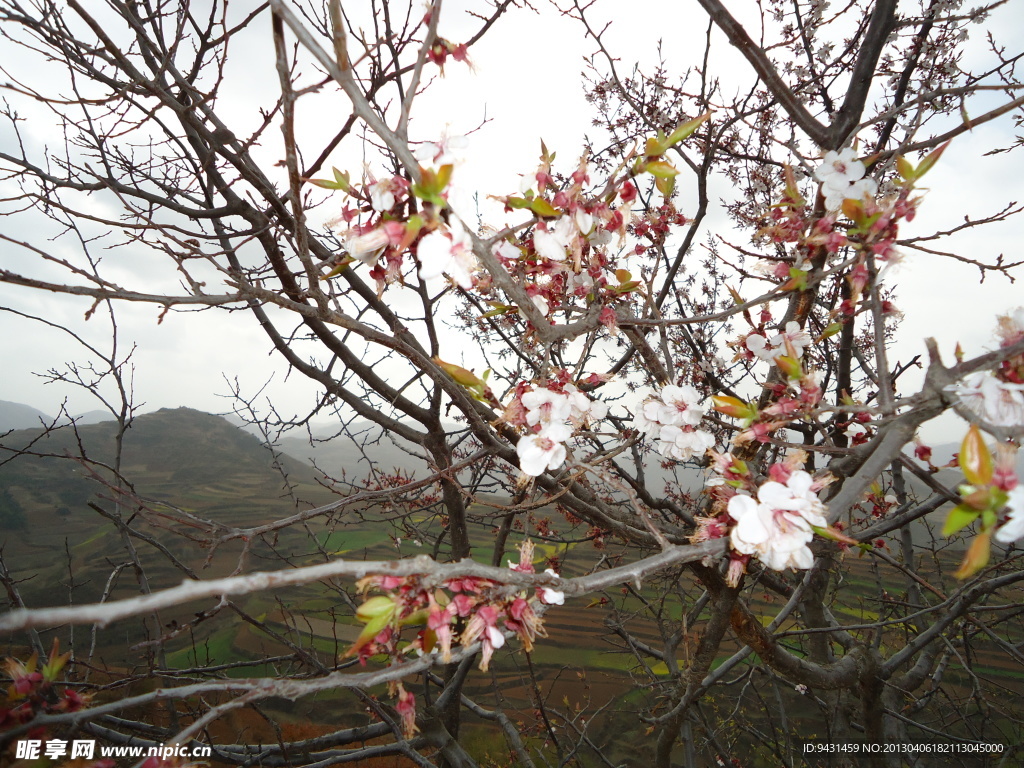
406,708
439,621
483,626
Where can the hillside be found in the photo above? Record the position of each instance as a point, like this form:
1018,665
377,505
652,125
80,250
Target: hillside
180,456
19,416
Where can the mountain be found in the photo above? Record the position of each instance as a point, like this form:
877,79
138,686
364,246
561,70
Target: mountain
185,457
91,417
353,454
19,416
349,450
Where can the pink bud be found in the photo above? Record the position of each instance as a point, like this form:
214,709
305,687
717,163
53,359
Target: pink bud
780,473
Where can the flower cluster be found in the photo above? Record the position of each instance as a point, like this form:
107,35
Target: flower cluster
792,340
777,526
484,610
550,414
998,397
564,263
991,488
439,245
671,417
842,178
31,692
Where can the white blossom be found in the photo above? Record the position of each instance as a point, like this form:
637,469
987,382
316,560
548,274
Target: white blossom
842,177
777,527
682,405
505,250
1013,528
545,406
447,151
584,221
551,242
839,168
382,195
998,402
679,444
550,596
452,253
543,450
671,417
494,637
367,247
768,350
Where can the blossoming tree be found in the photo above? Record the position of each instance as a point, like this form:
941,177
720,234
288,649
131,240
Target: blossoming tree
705,448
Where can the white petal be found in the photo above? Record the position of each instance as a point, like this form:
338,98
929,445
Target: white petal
435,254
494,637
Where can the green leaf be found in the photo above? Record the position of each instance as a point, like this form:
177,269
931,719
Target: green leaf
905,168
432,184
977,556
798,277
975,458
792,190
338,268
932,159
543,208
958,518
685,130
831,330
854,210
662,169
416,617
341,181
830,533
665,186
734,407
501,309
325,184
375,608
790,366
627,287
462,376
376,613
653,148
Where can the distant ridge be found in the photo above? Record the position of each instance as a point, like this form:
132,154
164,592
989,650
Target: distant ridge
20,416
183,456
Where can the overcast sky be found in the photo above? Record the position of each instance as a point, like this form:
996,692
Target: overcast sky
526,83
